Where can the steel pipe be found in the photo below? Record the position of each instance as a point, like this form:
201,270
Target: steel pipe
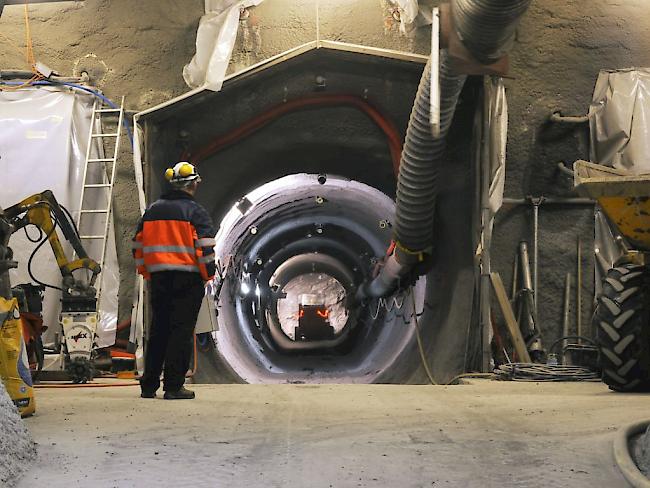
566,315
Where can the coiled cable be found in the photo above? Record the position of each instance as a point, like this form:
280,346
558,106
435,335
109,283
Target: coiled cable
544,372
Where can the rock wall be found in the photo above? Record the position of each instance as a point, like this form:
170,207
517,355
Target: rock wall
138,49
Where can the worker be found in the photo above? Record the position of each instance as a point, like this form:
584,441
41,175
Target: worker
174,250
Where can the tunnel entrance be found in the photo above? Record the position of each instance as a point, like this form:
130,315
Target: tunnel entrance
295,250
321,142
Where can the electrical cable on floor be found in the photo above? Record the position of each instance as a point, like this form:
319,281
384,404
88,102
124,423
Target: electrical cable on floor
544,372
423,358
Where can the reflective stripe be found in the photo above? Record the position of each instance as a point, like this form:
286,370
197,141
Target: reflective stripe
139,262
152,268
205,242
136,245
206,259
183,249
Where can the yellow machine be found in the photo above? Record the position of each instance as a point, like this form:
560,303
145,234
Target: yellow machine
14,368
43,211
79,316
622,316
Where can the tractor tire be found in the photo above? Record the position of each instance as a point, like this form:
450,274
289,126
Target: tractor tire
622,322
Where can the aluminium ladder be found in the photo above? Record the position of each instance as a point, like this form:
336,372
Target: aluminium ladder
95,206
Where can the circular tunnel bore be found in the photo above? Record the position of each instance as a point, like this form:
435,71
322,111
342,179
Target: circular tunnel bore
295,250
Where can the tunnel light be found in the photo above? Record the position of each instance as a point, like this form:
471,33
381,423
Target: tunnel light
245,288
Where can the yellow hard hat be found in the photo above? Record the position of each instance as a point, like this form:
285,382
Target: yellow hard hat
182,173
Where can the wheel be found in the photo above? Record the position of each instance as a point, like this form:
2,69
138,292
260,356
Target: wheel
622,322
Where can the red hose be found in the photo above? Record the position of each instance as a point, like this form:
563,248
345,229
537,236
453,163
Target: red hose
85,385
124,325
307,103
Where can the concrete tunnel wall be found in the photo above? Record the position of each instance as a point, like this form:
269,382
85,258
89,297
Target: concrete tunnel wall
138,49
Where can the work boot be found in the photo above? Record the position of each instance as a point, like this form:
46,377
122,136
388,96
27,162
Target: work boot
148,394
182,394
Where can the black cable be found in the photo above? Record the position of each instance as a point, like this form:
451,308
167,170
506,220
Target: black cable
31,257
40,234
583,338
544,372
72,222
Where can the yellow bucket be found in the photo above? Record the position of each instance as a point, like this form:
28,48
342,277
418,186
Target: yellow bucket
14,366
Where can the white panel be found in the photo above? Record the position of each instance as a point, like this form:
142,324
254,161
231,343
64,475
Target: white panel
43,138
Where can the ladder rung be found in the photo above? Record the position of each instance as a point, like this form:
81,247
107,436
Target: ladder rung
100,160
91,237
115,134
95,211
108,110
98,185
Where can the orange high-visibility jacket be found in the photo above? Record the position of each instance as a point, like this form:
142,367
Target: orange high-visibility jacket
175,234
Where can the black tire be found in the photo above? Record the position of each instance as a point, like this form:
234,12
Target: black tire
622,322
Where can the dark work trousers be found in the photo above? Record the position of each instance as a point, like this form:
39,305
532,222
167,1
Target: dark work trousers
175,302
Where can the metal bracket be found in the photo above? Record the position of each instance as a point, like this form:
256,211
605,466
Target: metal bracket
434,98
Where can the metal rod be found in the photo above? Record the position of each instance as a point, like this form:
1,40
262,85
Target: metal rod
536,203
535,253
515,278
566,119
486,215
579,290
526,321
513,202
434,116
565,315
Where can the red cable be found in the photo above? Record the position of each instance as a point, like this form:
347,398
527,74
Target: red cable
124,325
85,385
314,101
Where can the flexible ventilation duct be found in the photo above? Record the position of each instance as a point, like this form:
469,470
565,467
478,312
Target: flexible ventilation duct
486,28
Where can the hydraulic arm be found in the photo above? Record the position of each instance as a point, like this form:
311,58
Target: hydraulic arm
43,211
79,317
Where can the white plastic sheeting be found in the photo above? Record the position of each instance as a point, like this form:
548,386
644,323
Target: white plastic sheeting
215,40
498,137
43,142
408,10
619,119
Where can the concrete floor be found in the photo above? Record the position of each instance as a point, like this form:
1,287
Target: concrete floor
483,434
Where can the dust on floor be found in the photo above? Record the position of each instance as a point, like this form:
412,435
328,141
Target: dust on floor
486,434
17,450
